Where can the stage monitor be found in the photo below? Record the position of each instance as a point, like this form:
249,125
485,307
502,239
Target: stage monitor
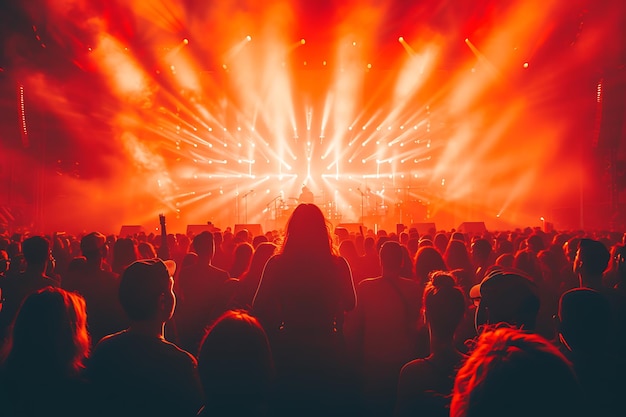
473,228
352,227
130,230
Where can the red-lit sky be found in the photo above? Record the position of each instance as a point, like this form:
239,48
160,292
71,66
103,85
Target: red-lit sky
426,111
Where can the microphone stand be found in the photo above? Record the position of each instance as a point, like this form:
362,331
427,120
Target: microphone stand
245,201
362,204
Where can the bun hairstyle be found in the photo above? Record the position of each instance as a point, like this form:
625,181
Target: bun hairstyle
442,281
444,304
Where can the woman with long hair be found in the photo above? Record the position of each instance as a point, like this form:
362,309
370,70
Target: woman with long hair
304,292
44,356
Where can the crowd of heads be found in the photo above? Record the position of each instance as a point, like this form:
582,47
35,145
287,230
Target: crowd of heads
527,313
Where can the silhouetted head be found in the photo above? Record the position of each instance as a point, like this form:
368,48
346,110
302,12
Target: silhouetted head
592,257
347,249
146,250
257,240
391,257
456,255
241,259
36,250
441,242
146,290
481,251
444,305
506,296
513,373
49,334
427,260
307,233
124,253
203,244
94,246
235,364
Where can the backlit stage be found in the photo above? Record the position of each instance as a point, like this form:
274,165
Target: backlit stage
389,112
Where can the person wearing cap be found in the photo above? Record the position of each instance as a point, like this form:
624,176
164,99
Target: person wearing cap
89,276
136,371
506,295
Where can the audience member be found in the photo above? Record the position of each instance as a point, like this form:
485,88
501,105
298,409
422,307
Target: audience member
16,287
124,253
301,300
136,371
241,259
425,385
236,367
382,330
506,296
41,371
517,374
585,330
86,275
202,286
249,282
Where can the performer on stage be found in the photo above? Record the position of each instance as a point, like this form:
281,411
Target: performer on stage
306,196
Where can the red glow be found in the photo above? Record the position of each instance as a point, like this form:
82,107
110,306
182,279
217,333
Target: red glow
182,127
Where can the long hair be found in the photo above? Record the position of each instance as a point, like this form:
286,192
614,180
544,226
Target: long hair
307,235
49,335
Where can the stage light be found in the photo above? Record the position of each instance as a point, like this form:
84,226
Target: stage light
401,39
324,63
248,38
363,161
369,66
210,129
239,128
525,65
353,43
349,127
186,41
302,41
195,145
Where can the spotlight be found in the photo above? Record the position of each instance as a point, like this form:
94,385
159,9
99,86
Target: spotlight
401,39
525,65
353,43
302,41
186,41
248,38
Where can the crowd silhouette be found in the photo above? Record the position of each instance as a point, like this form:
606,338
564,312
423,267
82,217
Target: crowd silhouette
313,321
